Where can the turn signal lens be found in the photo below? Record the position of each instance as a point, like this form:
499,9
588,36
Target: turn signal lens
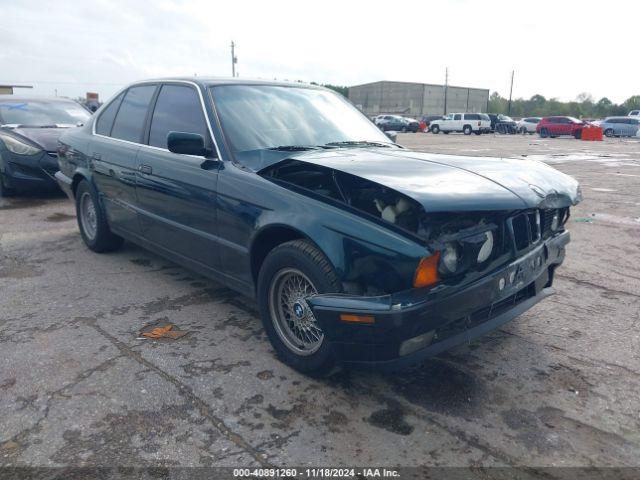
427,271
345,317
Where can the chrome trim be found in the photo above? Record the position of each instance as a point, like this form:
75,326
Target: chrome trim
160,83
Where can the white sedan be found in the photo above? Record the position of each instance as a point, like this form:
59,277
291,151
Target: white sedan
527,125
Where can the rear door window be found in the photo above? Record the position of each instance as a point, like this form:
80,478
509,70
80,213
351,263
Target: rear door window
177,109
130,120
105,120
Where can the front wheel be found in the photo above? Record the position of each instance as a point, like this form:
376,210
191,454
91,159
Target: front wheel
435,129
92,221
291,273
608,132
467,130
578,134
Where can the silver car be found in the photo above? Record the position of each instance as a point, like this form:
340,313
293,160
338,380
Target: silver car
620,126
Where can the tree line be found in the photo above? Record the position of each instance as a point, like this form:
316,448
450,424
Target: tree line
584,106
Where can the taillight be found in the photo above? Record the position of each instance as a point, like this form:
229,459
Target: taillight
478,123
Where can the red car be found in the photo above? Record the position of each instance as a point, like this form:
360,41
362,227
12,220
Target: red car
555,126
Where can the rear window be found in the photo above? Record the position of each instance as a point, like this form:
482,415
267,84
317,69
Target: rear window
131,116
105,120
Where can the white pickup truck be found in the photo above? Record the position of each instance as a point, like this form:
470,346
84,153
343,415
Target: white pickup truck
462,122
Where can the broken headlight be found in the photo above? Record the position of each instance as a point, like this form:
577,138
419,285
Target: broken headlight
460,254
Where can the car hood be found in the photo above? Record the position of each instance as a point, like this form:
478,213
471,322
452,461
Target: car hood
447,183
46,138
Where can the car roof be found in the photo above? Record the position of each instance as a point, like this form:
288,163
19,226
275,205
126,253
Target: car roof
213,81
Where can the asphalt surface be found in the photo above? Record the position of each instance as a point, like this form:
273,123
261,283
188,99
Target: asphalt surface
558,386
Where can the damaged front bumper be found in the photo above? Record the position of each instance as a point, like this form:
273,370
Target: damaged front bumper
409,326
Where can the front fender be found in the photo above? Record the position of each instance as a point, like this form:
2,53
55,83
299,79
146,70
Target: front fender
366,256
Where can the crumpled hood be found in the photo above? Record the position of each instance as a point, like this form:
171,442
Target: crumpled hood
46,138
443,183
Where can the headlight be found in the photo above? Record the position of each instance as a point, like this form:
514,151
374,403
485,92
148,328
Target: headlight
450,257
487,247
18,147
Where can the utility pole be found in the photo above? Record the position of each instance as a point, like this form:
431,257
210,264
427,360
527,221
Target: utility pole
446,87
510,93
234,59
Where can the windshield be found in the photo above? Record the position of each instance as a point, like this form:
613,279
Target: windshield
256,118
34,113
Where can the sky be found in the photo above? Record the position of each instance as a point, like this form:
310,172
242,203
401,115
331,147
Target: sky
557,48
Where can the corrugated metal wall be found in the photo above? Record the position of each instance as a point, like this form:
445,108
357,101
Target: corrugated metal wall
415,99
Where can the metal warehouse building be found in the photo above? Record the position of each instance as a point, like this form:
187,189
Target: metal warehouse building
415,99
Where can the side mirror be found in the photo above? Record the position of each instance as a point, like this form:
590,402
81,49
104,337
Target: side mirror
393,136
187,144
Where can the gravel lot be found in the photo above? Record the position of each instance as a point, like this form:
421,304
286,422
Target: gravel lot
558,386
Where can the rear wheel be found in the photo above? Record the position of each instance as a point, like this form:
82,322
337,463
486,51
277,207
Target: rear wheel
608,132
578,134
467,130
290,274
435,129
92,220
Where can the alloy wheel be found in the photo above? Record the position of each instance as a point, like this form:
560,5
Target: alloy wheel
292,318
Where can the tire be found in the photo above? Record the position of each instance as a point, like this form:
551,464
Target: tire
435,129
467,130
446,132
578,134
544,133
608,132
404,130
299,259
4,190
92,221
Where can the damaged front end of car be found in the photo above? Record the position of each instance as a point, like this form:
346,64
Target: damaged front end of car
481,266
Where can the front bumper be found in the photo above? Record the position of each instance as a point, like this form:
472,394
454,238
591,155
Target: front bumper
449,315
29,172
65,183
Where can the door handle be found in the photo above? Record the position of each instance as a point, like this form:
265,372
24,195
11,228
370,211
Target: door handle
146,169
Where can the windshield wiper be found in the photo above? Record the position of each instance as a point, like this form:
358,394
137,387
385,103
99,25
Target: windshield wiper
357,143
294,148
